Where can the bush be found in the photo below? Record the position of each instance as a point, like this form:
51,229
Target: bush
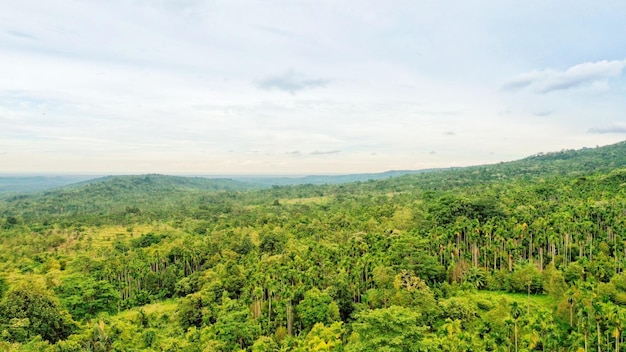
524,278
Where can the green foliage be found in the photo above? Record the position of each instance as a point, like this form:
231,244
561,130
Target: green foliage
264,344
386,329
190,311
525,278
554,283
149,337
10,222
476,277
460,309
234,326
29,309
410,253
574,272
85,297
146,240
317,307
323,338
4,286
272,243
447,209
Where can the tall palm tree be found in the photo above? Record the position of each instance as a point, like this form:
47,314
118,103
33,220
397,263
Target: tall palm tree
598,314
516,312
571,301
611,312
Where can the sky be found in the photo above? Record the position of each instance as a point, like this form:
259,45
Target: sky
286,87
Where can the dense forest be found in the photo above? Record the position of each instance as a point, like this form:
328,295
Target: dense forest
520,256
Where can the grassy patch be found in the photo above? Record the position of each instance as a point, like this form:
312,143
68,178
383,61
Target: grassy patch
536,301
309,200
106,236
158,309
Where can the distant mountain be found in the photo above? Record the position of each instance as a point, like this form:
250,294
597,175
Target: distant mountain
22,184
155,182
326,179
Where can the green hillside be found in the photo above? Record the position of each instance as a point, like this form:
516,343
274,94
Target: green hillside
115,196
525,255
567,163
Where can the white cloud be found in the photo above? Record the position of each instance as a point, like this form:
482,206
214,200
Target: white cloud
619,128
325,152
291,82
547,81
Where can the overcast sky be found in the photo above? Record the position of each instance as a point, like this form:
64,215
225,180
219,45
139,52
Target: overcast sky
304,87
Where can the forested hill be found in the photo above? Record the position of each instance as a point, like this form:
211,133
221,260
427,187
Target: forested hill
157,195
520,256
565,162
115,195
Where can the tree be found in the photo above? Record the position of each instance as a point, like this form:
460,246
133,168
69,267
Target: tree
264,344
10,222
411,291
234,326
84,296
526,278
29,309
411,253
387,329
190,311
553,282
516,312
323,338
317,307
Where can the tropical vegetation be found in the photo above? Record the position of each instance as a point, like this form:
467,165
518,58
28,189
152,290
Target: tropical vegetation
520,256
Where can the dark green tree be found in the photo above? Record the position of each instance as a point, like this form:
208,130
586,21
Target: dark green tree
29,309
85,296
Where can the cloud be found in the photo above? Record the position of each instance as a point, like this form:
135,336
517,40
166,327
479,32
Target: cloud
549,80
521,81
543,113
19,34
328,152
449,133
614,128
291,82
